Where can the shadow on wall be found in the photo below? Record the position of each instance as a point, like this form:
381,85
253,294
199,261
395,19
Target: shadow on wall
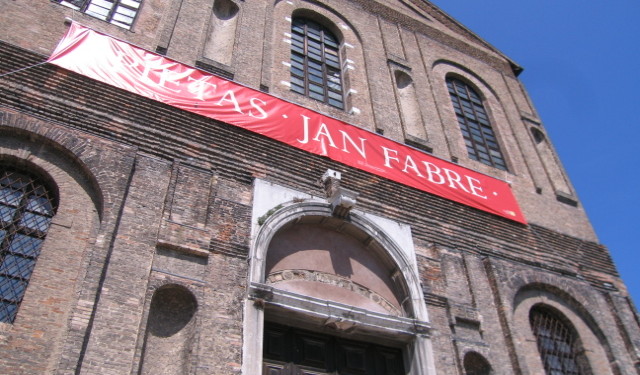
170,331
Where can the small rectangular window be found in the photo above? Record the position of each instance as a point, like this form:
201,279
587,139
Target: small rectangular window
118,12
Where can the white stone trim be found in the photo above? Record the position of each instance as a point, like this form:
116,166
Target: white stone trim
275,206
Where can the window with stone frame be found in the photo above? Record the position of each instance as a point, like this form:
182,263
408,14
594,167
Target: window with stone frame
316,69
558,343
26,209
479,137
118,12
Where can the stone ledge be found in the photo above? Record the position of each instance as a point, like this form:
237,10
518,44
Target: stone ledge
336,314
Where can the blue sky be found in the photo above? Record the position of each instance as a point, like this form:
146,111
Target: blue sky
582,71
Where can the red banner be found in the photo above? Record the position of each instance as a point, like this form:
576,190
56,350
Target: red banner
133,69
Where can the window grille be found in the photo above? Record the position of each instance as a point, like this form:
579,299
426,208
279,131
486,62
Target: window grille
118,12
557,344
26,210
315,63
473,120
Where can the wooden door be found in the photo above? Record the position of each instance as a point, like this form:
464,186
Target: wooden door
291,351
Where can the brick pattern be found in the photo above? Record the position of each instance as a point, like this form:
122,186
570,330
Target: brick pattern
156,196
231,233
238,156
251,153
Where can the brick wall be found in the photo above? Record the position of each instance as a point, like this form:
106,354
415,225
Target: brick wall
154,197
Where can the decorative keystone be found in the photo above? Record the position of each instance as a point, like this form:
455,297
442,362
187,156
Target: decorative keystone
340,324
342,200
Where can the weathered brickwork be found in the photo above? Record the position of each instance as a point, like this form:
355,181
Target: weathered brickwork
148,267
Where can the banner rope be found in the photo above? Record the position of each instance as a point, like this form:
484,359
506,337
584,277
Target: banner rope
21,69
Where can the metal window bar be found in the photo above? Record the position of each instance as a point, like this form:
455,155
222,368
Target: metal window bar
26,210
315,63
476,129
556,344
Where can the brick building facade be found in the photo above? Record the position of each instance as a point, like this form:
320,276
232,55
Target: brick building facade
151,240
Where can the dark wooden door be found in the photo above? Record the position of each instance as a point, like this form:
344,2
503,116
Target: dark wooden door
291,351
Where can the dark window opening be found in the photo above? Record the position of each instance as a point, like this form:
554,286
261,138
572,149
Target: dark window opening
316,69
291,351
26,210
118,12
479,138
537,135
557,343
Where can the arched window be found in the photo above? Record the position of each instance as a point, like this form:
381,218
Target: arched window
557,343
315,62
477,132
26,210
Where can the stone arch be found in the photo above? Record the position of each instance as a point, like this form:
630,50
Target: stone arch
341,317
23,147
332,261
358,225
592,338
90,161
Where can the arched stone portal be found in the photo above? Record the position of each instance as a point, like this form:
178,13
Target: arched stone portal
345,278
